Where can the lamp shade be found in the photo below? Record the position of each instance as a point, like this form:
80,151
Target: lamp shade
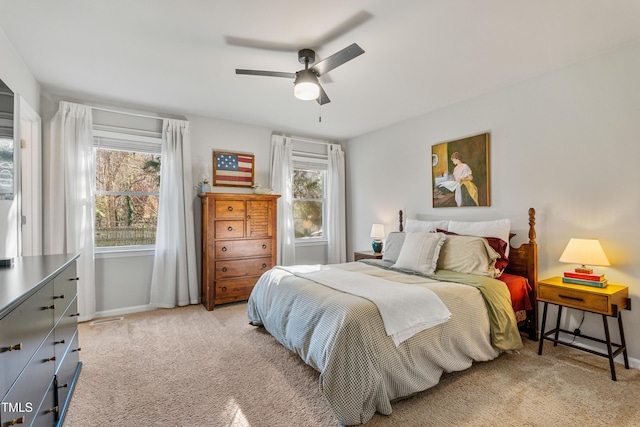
306,86
377,231
585,252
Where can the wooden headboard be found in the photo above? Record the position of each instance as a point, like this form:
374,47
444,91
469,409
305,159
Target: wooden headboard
523,261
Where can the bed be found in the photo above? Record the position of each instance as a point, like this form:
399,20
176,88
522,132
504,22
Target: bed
343,319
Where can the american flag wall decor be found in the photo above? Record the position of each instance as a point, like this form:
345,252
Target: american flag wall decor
232,169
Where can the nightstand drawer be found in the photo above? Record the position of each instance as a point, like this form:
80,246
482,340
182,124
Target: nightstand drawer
574,298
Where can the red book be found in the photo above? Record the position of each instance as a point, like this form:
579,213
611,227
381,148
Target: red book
593,277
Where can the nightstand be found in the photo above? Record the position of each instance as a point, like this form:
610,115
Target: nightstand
366,255
609,301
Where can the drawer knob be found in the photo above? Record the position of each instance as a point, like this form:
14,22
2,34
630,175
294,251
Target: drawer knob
76,349
58,296
224,289
63,386
11,348
74,278
50,359
264,265
16,421
264,246
54,409
230,208
49,307
224,249
230,228
248,216
74,315
60,342
224,269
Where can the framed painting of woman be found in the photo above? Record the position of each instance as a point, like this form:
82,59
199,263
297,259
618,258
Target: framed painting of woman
460,172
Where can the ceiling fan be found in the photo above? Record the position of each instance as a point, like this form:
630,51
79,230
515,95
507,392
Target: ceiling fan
306,84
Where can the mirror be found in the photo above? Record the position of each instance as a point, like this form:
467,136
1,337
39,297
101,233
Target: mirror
8,207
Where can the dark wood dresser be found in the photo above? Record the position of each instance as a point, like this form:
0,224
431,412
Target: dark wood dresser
39,360
238,244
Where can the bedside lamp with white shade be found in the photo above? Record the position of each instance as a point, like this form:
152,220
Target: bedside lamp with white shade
377,233
584,252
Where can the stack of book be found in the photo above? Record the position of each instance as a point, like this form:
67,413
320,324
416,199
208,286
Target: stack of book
595,280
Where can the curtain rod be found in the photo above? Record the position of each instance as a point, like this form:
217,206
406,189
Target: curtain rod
310,141
110,110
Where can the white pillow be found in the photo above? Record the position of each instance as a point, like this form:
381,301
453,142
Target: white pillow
420,252
499,228
415,225
393,246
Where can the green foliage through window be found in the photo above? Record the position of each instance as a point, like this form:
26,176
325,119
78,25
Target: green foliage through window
308,203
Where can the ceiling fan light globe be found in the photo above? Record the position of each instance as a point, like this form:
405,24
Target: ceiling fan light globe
306,91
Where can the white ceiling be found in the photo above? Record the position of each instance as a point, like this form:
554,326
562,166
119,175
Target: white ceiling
420,55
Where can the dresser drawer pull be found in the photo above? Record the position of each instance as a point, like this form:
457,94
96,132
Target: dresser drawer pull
264,265
60,342
12,348
74,278
49,307
54,409
76,349
224,249
230,208
571,298
229,228
16,421
248,216
50,359
224,269
58,296
264,246
63,386
224,289
74,315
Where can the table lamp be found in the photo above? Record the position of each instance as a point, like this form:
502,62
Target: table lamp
584,252
377,233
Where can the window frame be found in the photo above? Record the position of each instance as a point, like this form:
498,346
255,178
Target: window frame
137,145
313,162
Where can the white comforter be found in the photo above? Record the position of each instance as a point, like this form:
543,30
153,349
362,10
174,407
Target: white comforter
343,337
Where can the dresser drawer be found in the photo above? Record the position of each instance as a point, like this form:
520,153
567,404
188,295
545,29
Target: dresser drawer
21,332
229,229
31,386
574,298
234,289
64,290
230,209
242,267
242,248
64,330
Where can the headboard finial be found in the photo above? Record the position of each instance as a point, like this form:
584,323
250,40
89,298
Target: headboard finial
532,223
400,227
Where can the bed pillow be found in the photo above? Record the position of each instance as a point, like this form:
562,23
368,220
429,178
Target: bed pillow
415,225
392,246
498,228
498,245
468,254
420,252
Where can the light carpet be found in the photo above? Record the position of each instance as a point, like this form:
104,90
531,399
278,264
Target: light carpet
190,367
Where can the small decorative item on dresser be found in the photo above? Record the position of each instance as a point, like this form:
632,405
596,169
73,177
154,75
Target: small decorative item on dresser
357,256
377,233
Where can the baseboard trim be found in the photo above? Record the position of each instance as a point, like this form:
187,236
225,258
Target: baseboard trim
126,310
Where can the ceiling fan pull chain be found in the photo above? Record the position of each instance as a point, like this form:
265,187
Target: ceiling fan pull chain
319,113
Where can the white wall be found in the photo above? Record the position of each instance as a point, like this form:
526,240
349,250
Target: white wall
565,143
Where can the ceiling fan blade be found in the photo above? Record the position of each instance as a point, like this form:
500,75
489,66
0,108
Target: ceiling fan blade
260,44
337,59
323,98
266,73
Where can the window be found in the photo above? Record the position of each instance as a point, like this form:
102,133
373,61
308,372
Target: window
308,203
127,189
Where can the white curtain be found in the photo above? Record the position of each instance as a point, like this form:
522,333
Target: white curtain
282,183
174,281
68,193
335,221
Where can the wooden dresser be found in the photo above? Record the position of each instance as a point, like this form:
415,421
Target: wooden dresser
39,361
238,244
